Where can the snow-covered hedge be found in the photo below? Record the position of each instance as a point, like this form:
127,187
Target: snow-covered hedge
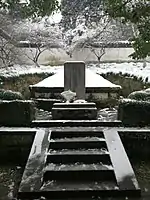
10,95
128,82
143,95
134,113
46,104
16,113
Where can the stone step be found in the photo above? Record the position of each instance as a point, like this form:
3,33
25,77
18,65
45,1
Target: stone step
73,113
80,156
93,189
78,166
75,133
78,151
70,189
77,144
79,175
78,172
78,186
75,123
78,139
74,105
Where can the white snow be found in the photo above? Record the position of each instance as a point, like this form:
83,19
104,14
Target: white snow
131,68
56,18
18,70
91,80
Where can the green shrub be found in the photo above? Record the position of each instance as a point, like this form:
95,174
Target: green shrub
129,83
134,113
142,95
16,113
10,95
21,83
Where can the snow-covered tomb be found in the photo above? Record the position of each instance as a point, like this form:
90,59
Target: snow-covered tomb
96,87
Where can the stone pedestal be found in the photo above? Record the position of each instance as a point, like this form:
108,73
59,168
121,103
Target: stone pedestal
74,111
74,78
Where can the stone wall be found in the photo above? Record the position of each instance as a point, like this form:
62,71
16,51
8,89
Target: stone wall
59,56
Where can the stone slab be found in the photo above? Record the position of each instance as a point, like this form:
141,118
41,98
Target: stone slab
74,113
93,82
82,157
75,105
60,134
124,173
75,123
74,78
78,144
79,175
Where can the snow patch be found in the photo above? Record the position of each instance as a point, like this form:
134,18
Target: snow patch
131,68
92,80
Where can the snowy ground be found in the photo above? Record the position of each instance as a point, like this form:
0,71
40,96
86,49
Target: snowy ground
131,68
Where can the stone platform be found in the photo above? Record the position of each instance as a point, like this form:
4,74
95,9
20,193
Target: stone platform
96,87
72,111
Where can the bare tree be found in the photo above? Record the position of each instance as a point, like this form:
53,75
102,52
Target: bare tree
5,52
9,54
8,51
99,53
84,36
36,52
39,37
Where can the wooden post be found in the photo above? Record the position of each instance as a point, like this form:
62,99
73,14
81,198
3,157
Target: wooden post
74,78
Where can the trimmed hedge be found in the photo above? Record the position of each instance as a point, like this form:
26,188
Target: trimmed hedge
134,113
10,95
16,113
128,82
143,95
46,104
21,83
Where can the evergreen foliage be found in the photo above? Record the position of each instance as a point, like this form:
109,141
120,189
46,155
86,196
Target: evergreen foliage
32,8
136,12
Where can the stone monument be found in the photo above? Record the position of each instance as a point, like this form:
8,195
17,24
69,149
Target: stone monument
74,78
75,106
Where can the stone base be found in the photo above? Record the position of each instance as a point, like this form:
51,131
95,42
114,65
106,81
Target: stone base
74,111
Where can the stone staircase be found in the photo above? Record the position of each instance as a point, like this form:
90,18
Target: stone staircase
78,162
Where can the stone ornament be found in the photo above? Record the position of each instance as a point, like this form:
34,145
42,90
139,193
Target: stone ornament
68,95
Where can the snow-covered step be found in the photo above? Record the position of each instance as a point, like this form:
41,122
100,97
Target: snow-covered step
76,172
79,174
79,171
78,143
81,156
70,133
